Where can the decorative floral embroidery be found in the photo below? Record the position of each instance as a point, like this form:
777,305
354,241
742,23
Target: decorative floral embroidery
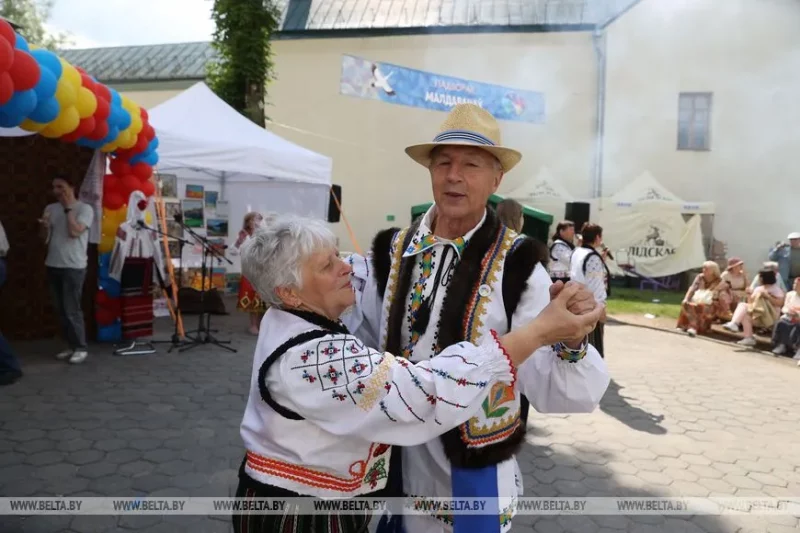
359,389
358,367
308,377
426,267
374,384
568,354
330,350
339,396
380,449
304,357
391,285
386,411
353,348
376,473
460,381
493,404
332,374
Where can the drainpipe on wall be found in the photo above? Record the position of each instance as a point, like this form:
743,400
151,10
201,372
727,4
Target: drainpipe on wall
599,42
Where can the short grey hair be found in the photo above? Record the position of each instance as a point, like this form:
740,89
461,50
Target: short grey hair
273,257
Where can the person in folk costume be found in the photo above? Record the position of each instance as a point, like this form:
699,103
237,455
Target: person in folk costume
249,301
135,239
561,251
324,408
137,248
588,266
458,274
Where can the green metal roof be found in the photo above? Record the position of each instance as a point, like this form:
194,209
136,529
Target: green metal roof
144,63
315,15
349,18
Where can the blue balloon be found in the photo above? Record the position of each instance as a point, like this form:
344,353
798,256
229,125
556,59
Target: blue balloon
21,44
153,146
151,159
10,120
48,60
124,119
116,99
46,111
135,159
22,103
113,132
46,87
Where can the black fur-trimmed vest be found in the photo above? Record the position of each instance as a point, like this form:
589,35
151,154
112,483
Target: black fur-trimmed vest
491,248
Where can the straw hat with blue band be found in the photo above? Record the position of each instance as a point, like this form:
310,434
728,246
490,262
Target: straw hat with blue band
468,125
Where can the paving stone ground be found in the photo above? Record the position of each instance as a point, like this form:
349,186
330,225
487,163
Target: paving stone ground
683,417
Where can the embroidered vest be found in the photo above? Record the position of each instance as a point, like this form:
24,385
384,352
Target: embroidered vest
496,433
608,272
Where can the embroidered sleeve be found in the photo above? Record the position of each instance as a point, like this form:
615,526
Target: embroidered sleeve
551,382
363,319
347,388
596,278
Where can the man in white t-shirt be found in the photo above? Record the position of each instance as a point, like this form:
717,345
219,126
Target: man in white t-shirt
65,226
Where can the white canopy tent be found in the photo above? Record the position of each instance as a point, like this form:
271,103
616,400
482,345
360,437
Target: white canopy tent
204,141
543,192
646,189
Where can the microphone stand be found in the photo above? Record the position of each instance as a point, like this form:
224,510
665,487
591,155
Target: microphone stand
176,341
204,330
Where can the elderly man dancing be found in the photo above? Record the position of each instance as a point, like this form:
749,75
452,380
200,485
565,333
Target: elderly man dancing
457,274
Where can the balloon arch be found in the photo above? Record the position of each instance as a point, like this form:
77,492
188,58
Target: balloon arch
40,92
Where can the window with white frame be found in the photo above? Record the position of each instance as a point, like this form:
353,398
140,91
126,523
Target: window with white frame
694,121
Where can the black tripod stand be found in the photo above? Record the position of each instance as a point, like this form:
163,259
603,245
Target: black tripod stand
204,331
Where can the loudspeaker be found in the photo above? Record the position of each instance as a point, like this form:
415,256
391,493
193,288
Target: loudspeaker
577,212
333,210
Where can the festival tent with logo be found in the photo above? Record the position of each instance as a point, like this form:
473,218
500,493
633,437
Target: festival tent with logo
204,141
646,189
652,230
544,192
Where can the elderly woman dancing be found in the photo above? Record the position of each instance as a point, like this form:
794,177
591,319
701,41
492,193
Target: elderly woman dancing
324,408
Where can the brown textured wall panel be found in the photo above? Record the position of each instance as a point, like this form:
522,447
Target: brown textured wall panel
28,165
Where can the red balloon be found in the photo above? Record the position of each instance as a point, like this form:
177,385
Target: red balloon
143,171
120,167
113,201
143,114
7,33
130,183
103,92
148,188
24,71
141,144
6,87
86,81
103,109
71,137
100,131
86,126
6,55
149,132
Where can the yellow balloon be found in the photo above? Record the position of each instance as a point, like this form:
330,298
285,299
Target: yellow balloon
66,122
136,125
66,93
128,141
120,215
70,74
29,125
106,244
109,226
87,103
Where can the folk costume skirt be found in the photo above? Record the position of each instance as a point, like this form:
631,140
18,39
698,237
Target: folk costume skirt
249,301
291,521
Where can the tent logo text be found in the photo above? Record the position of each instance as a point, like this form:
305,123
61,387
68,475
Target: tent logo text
653,245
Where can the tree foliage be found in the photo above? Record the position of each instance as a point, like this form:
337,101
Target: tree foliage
243,67
32,16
